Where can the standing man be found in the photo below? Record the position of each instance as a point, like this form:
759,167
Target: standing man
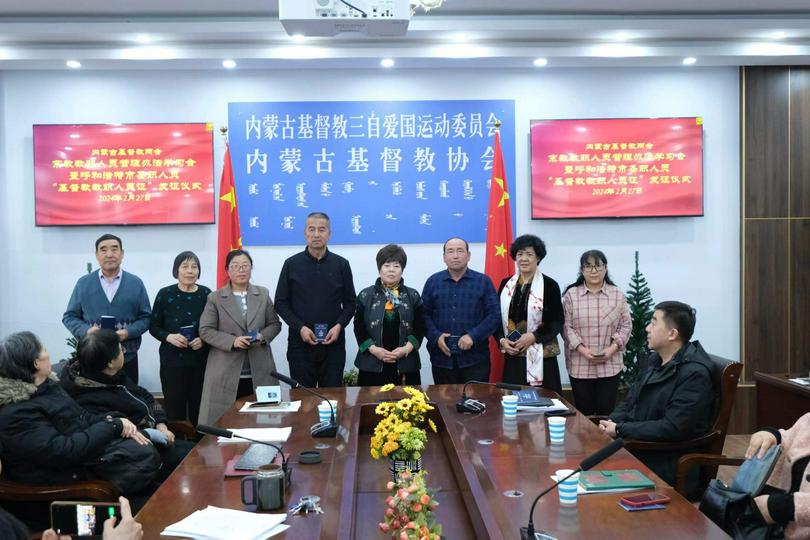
111,292
673,399
461,312
315,297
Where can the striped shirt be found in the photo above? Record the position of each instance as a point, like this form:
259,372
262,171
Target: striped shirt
595,320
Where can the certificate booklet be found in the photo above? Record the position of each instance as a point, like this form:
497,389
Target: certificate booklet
189,332
625,478
321,329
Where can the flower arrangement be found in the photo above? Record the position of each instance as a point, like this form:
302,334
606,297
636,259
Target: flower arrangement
400,435
409,512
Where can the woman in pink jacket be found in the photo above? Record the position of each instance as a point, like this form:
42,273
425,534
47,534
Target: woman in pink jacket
791,507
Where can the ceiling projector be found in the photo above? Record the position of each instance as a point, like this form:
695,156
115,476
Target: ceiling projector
377,18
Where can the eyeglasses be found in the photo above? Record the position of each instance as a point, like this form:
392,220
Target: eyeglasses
593,267
239,267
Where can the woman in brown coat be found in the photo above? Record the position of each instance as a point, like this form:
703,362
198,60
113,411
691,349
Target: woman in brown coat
239,322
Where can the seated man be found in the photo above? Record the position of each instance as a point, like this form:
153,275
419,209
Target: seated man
98,383
673,399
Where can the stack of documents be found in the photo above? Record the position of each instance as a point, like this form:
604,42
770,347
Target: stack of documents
272,435
611,481
283,407
556,405
222,524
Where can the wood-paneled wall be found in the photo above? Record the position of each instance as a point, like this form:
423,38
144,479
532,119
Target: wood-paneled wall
775,228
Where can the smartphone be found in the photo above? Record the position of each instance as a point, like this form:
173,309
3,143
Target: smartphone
598,354
82,518
645,500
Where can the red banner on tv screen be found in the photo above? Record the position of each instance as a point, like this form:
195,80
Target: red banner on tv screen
617,167
123,174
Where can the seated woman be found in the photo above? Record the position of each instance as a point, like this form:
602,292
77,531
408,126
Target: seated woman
48,438
787,498
388,325
97,382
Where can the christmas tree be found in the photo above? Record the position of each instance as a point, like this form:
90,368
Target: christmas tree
640,303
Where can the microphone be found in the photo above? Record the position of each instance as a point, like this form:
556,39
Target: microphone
228,434
321,429
527,533
470,405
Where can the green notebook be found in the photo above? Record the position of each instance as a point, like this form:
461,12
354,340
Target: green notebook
621,479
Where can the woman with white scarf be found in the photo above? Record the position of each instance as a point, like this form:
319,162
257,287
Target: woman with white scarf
531,319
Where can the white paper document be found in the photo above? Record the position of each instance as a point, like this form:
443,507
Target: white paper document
557,405
215,523
273,435
283,407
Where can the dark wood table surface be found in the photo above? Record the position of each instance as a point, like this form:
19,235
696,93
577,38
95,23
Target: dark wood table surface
470,473
780,402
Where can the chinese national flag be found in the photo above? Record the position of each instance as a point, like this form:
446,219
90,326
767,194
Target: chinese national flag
229,235
498,264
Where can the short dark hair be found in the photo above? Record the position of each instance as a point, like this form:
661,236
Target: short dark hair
528,240
319,215
682,317
18,353
183,257
108,236
98,349
235,253
466,244
392,253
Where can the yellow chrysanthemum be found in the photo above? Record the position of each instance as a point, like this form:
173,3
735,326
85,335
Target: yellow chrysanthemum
375,454
432,425
386,387
389,448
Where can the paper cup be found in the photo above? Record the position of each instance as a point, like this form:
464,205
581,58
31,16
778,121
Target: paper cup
568,488
324,411
556,429
509,404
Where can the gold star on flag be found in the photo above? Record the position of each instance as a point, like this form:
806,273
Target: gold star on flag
229,197
500,250
504,194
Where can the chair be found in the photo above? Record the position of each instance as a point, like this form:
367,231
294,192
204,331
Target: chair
725,376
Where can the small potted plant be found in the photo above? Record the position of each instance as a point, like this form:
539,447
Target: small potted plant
401,435
409,509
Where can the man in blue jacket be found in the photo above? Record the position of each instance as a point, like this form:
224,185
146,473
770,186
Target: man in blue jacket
673,399
111,292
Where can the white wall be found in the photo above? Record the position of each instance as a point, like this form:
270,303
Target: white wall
691,259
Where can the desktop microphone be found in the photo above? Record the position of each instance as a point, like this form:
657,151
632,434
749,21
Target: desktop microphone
470,405
527,533
321,429
228,434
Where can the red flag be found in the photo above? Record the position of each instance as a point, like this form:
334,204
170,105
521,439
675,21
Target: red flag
498,264
229,235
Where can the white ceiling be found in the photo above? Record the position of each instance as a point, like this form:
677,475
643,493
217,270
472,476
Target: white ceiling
199,34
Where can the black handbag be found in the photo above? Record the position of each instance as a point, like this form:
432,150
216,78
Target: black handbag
735,512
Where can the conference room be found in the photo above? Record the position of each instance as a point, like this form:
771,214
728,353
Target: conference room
672,139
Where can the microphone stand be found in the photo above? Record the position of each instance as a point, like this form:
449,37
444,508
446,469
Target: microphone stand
228,434
527,533
321,429
473,406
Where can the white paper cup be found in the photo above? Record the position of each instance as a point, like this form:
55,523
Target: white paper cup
324,411
556,429
509,404
568,488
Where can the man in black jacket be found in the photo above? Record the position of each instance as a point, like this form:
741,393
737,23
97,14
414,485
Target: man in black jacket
673,399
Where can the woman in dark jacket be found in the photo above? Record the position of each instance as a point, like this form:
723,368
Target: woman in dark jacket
97,383
531,312
388,325
48,438
176,324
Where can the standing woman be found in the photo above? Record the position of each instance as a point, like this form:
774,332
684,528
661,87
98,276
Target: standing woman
530,306
389,325
182,360
597,327
239,322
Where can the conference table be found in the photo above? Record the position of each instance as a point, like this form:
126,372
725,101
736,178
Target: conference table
476,463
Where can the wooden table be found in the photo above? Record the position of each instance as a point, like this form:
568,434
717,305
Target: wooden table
471,476
780,402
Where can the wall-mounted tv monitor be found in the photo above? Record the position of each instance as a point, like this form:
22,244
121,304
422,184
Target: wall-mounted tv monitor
123,174
626,167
